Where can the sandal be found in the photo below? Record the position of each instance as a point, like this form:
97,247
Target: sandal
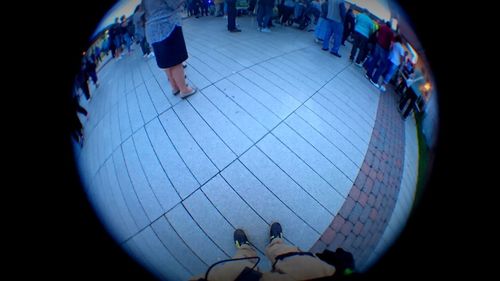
185,95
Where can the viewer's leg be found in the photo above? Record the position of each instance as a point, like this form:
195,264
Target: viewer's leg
231,269
278,247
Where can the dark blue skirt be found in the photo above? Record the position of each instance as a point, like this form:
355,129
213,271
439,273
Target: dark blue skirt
172,50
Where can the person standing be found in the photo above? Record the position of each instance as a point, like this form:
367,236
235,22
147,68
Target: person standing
396,57
321,26
138,19
335,18
97,52
264,14
81,82
288,7
91,70
115,39
381,52
349,23
164,32
251,7
369,48
363,28
127,41
231,16
219,8
204,7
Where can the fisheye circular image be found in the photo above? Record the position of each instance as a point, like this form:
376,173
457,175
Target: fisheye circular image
254,139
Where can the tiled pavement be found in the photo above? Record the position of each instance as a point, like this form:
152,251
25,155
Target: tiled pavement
280,131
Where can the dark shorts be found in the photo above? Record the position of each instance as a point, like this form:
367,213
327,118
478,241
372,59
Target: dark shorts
172,50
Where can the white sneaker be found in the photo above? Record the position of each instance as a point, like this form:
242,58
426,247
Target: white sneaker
151,55
267,30
382,88
375,84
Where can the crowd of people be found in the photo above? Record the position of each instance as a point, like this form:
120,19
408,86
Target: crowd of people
375,46
156,27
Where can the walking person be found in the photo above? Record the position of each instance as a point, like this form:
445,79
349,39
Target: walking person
164,32
335,18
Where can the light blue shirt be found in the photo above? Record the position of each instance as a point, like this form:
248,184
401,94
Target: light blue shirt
162,16
364,25
397,51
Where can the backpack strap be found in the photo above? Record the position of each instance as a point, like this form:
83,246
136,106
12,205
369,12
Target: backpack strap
284,256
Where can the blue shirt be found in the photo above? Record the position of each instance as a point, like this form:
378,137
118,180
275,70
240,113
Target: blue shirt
364,25
289,3
397,51
162,16
336,10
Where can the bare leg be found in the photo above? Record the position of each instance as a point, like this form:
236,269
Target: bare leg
180,80
171,79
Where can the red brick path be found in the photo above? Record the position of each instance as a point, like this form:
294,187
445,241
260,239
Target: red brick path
361,221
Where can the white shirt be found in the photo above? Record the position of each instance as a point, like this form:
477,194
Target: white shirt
396,53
